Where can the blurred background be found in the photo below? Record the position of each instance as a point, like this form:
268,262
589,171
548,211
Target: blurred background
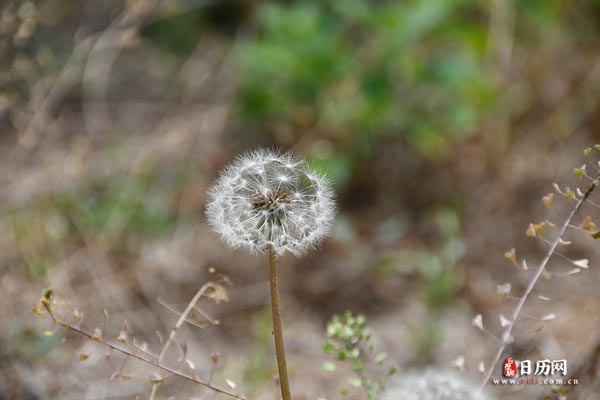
442,124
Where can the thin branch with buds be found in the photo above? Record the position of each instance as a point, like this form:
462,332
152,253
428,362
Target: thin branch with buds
519,307
141,357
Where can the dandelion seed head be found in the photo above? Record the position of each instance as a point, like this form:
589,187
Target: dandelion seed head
271,199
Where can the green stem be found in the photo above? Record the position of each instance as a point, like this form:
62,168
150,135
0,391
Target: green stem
277,331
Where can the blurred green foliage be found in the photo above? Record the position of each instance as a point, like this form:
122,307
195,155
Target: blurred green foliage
25,342
439,277
441,281
178,34
122,208
436,264
126,209
356,71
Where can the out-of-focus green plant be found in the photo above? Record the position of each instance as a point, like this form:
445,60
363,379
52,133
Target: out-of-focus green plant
350,341
357,71
260,372
120,208
439,279
179,33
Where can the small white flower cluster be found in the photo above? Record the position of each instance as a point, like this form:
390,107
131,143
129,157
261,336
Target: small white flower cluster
432,385
271,199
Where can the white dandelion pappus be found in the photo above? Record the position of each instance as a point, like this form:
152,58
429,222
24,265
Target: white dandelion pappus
269,198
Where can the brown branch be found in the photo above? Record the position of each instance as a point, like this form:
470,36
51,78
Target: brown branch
131,354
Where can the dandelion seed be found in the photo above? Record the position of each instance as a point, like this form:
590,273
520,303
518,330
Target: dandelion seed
270,199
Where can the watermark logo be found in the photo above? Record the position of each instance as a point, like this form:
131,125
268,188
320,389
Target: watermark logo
510,367
542,372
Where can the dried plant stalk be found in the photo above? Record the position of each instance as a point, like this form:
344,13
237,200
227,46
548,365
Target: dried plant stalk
175,328
121,349
519,307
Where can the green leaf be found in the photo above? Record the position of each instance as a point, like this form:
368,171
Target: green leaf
347,332
333,330
354,353
380,358
358,366
367,334
579,172
570,194
48,294
355,382
328,347
548,200
329,366
360,320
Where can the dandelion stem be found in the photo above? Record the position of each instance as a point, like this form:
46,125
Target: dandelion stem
277,331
